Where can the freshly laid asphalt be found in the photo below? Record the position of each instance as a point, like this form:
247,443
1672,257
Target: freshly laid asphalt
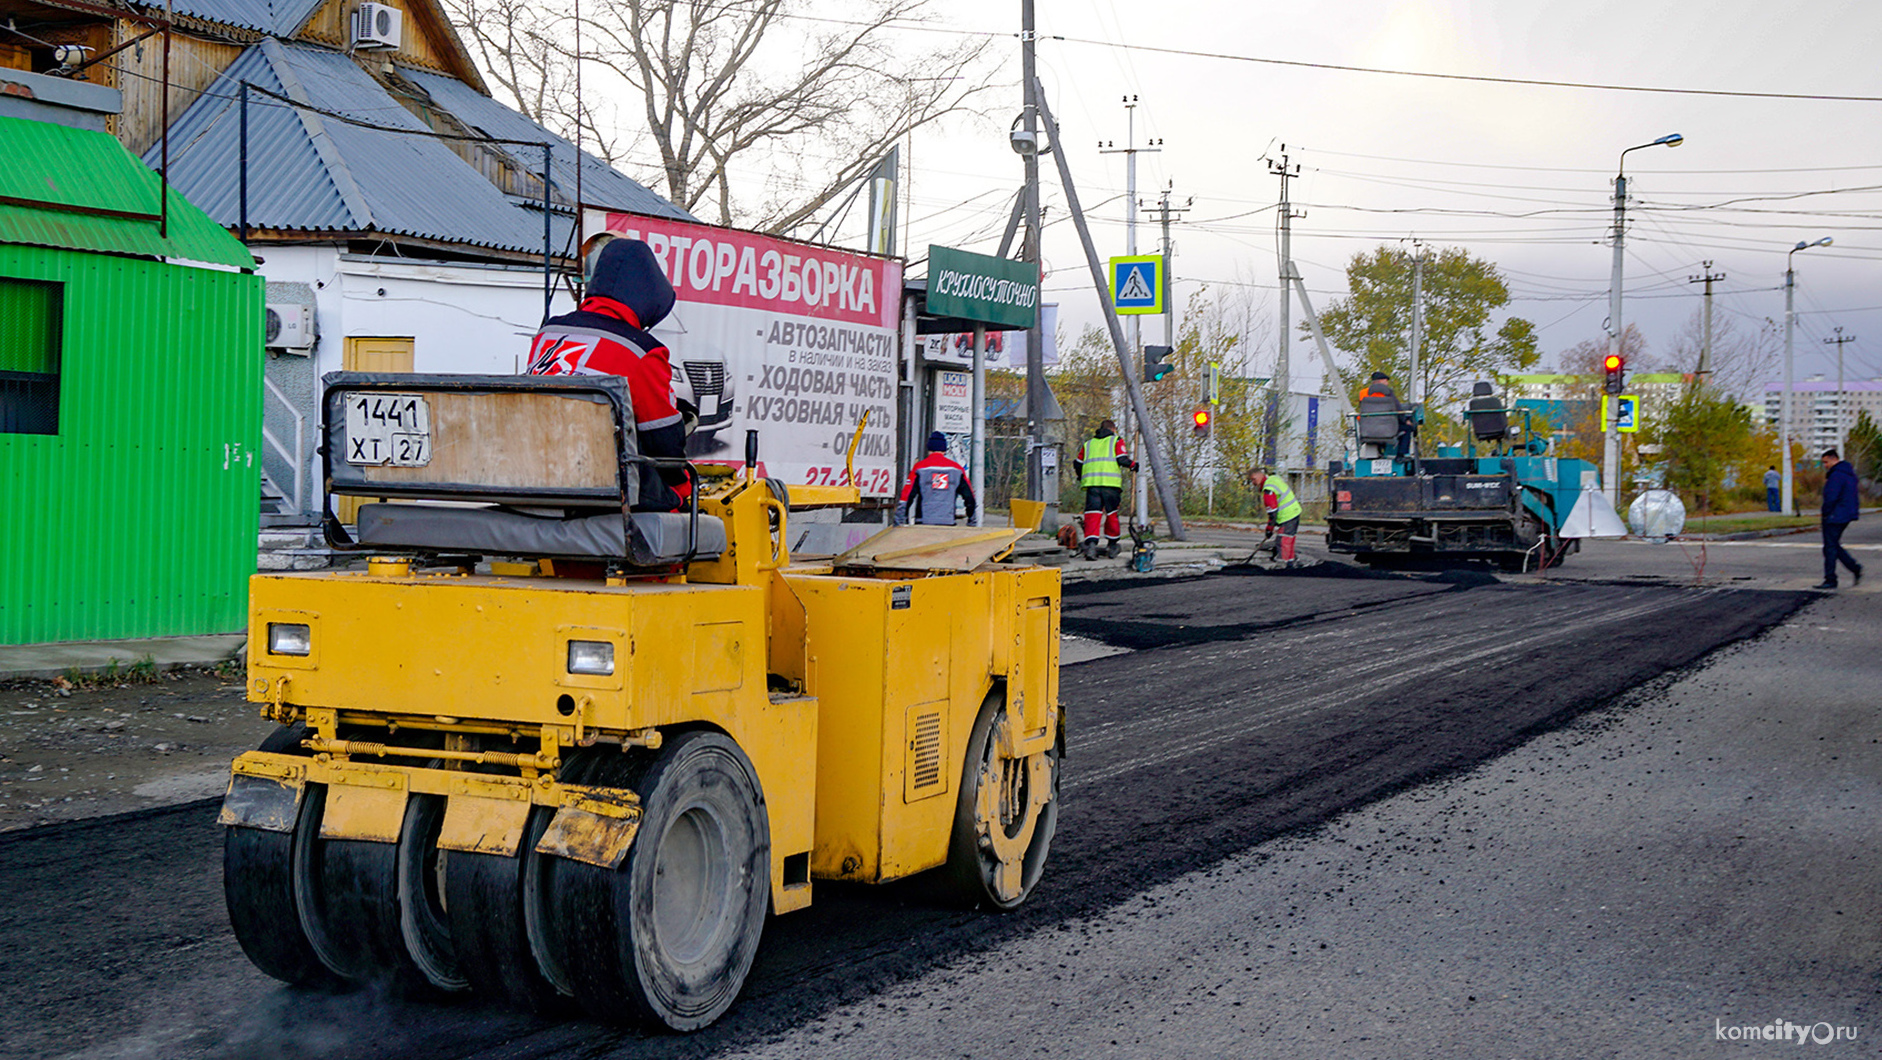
1314,813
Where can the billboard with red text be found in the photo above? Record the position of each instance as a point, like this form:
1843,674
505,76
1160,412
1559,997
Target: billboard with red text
794,340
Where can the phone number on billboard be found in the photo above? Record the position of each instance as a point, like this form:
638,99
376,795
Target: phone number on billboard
872,480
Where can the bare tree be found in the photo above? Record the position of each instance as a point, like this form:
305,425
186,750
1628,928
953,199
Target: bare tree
1585,357
745,111
1743,360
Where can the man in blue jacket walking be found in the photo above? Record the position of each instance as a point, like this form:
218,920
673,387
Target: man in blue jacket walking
1839,510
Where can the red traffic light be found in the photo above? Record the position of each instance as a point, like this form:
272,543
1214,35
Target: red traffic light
1615,382
1201,419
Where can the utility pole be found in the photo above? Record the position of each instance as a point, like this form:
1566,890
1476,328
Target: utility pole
1412,389
1272,442
1705,347
1166,491
1790,325
1165,213
1134,339
1035,341
1841,427
1784,407
1611,438
1610,421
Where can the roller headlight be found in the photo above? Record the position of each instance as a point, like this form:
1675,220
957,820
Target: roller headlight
289,638
595,657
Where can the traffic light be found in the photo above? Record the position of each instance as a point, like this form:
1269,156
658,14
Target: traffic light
1617,372
1203,419
1155,367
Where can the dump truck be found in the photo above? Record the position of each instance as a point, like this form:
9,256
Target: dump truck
1500,498
566,754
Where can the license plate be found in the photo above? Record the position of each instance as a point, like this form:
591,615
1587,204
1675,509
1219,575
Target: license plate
708,405
388,429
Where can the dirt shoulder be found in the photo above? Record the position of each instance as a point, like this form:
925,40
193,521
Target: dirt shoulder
72,753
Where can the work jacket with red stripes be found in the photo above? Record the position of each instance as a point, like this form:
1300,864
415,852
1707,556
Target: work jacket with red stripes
928,495
604,337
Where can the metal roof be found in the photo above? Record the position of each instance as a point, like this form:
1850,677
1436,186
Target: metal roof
286,18
310,172
55,180
268,16
602,185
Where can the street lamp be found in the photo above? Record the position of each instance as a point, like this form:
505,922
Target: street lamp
1611,462
1784,407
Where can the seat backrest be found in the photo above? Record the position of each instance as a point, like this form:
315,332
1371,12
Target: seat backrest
1488,421
1378,419
563,441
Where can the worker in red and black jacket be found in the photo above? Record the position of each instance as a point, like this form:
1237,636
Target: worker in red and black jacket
933,483
606,335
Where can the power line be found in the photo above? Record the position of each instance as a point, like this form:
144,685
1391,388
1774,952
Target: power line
1385,71
1569,169
1478,78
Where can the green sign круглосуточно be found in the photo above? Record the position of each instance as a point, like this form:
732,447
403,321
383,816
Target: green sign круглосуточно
983,288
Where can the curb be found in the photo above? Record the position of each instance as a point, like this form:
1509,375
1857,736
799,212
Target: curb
1749,535
44,662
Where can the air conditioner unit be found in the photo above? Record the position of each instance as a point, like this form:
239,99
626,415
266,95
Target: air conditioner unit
376,26
290,327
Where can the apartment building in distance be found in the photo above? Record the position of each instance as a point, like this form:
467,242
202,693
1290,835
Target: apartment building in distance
1821,416
1567,399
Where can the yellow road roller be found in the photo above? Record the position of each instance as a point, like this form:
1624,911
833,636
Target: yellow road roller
563,753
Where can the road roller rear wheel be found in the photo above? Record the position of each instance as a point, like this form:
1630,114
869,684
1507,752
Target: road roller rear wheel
258,887
380,915
667,938
499,913
424,922
1004,819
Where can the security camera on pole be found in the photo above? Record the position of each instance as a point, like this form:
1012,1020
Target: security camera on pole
1611,455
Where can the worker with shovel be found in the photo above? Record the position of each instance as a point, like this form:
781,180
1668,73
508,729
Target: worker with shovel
1100,466
1283,510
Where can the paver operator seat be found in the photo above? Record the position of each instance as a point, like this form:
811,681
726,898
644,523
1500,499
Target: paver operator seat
1378,425
1488,420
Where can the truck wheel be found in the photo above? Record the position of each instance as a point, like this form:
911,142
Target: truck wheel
667,938
258,887
1004,818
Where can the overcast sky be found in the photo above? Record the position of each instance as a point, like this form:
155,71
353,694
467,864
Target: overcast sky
1464,161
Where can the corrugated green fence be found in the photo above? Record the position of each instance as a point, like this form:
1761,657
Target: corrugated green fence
138,517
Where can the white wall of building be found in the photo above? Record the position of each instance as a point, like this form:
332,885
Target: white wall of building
461,318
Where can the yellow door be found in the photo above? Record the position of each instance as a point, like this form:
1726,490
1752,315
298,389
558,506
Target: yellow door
371,355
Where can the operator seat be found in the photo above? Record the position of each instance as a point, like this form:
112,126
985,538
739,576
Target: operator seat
1488,421
1378,419
1378,425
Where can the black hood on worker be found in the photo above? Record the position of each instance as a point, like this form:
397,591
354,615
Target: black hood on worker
627,272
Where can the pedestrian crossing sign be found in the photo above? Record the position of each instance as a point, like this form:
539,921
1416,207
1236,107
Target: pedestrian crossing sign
1137,284
1626,412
